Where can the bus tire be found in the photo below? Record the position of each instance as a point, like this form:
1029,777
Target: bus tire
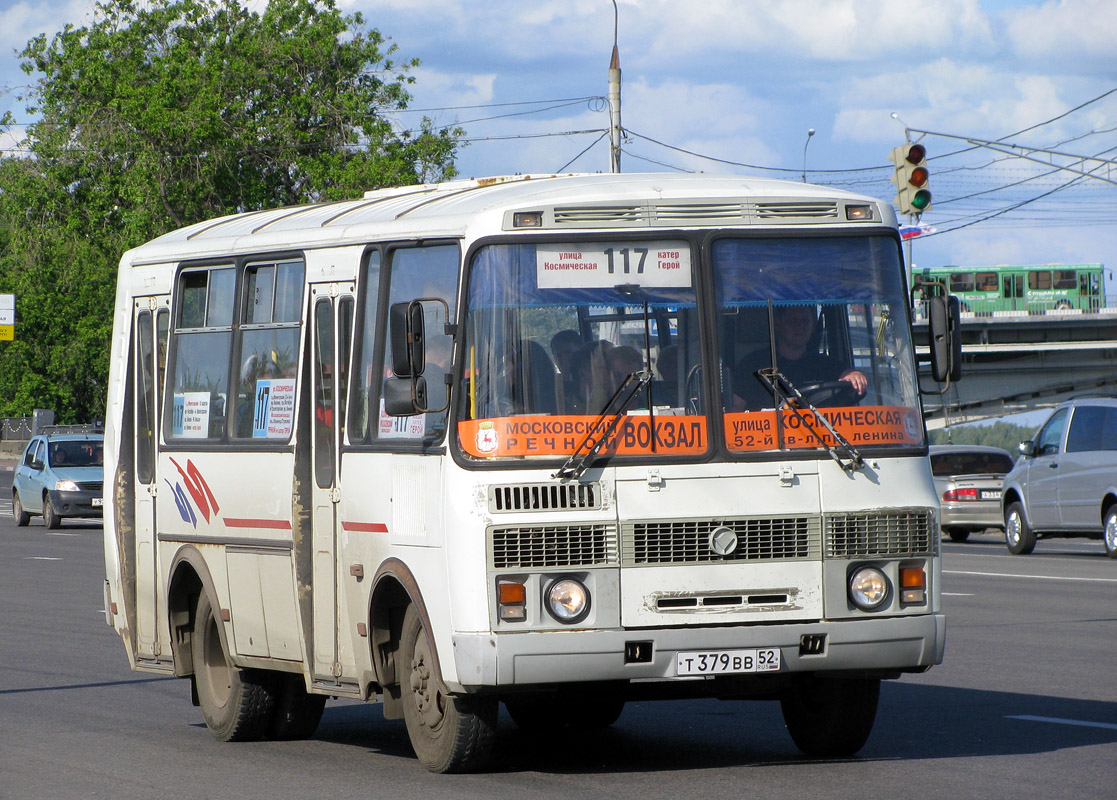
830,717
297,711
1019,536
19,512
237,704
50,516
587,710
1109,533
448,733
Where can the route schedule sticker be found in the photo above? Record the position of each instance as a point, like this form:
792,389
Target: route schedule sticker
605,265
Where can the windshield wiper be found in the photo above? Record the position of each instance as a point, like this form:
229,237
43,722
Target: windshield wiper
844,453
615,406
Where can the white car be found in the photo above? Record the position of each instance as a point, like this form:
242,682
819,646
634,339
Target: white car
1066,482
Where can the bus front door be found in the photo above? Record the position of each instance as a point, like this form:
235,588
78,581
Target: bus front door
1013,291
331,333
150,323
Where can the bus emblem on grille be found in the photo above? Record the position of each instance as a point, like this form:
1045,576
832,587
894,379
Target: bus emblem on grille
723,541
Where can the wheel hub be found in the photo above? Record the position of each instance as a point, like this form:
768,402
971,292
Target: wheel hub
424,689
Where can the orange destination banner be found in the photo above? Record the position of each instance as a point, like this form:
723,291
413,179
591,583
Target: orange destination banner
860,425
505,437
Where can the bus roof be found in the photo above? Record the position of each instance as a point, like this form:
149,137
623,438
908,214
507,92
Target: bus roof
628,201
1005,268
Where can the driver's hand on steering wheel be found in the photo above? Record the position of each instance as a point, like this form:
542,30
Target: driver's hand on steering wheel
855,378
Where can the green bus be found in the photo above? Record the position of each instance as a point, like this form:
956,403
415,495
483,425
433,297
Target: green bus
1023,289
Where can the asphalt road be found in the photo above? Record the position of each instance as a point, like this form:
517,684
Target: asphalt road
1024,706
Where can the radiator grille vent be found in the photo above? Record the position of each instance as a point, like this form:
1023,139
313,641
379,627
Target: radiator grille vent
794,209
544,497
889,533
688,541
549,546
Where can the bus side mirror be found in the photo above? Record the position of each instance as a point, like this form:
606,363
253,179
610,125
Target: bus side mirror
405,397
405,322
944,318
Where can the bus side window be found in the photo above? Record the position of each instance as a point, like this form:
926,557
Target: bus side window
201,351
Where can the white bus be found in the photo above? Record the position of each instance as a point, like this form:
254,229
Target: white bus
529,441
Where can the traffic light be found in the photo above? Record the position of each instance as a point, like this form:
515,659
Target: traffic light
911,178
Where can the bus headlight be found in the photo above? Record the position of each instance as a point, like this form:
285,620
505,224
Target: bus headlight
868,588
568,600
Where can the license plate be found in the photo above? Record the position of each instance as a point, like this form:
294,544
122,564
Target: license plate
726,662
98,501
990,494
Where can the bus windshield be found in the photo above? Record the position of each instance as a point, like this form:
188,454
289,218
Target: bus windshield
571,341
828,317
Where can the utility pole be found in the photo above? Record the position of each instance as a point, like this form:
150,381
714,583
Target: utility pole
615,100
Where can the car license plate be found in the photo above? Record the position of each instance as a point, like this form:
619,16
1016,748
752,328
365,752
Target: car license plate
97,501
990,494
725,662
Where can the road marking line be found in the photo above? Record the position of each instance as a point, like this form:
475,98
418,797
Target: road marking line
1033,577
957,594
1081,723
41,558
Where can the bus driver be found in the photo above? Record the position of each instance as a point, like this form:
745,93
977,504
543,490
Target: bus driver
803,364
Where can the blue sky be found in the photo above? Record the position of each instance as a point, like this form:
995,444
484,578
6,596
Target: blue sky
743,82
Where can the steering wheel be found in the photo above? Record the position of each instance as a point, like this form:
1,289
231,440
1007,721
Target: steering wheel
824,394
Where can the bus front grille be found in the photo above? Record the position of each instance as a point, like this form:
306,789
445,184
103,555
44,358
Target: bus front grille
550,546
689,541
900,532
544,497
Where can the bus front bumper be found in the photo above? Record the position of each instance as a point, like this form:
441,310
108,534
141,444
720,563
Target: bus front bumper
910,643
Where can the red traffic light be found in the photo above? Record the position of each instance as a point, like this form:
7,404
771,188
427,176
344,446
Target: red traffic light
916,154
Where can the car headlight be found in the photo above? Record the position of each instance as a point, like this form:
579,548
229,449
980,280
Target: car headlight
67,486
868,588
568,600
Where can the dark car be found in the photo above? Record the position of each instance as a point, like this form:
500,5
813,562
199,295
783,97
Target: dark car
969,480
59,475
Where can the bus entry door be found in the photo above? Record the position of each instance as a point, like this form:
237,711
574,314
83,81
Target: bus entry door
149,362
331,333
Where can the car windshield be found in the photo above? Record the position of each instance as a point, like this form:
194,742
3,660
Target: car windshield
84,453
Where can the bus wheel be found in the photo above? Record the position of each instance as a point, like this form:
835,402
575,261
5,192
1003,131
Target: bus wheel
50,516
1019,537
237,704
448,733
20,514
830,717
297,711
1110,534
585,710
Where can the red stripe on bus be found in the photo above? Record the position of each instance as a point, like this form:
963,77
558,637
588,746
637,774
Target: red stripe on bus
270,524
365,527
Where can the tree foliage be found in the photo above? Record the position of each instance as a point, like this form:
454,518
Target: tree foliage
163,113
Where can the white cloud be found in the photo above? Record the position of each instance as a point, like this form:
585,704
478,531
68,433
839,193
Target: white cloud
1065,31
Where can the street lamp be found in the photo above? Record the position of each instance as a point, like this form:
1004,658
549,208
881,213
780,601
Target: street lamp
810,133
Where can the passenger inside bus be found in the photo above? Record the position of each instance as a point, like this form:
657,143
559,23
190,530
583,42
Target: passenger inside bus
797,334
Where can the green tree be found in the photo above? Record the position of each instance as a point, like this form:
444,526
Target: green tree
1000,434
163,113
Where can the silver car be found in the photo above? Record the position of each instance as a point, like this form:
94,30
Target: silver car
1066,482
969,480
